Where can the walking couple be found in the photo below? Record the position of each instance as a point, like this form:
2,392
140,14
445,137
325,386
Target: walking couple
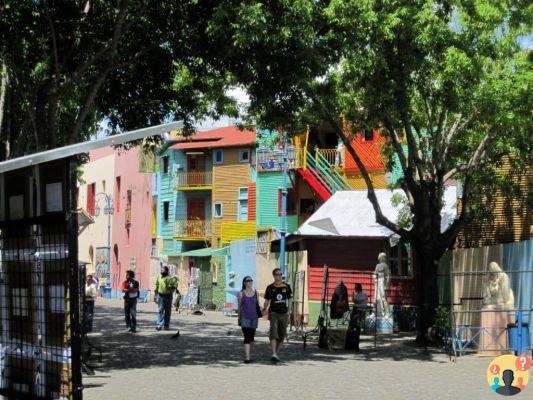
278,301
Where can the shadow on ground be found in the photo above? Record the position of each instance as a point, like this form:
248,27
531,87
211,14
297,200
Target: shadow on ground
216,341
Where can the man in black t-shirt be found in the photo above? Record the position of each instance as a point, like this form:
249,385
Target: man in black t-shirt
278,301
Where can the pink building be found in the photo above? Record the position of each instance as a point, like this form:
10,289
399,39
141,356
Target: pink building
131,240
115,174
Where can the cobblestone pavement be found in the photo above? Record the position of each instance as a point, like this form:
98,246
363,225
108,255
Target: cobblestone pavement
205,362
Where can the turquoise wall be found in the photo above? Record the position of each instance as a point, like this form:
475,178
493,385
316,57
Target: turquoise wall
267,187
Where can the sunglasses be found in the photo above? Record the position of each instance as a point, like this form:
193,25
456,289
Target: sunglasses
248,280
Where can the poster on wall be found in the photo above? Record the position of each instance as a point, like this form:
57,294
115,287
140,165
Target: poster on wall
100,267
54,197
16,207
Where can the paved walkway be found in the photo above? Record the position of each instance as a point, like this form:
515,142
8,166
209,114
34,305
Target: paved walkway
205,362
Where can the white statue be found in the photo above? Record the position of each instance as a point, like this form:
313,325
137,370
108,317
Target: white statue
382,278
497,293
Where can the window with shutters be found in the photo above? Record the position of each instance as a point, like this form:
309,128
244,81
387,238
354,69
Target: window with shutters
91,189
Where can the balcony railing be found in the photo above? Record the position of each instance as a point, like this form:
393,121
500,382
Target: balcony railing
192,229
272,160
193,179
332,156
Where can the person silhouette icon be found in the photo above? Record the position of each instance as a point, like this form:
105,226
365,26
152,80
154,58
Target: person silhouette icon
520,383
496,383
508,390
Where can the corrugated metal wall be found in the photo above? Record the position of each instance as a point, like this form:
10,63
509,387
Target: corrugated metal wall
252,200
353,261
268,184
512,220
228,177
166,193
237,230
356,180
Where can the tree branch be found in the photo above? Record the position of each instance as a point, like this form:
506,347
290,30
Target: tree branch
371,194
413,152
89,99
110,46
54,42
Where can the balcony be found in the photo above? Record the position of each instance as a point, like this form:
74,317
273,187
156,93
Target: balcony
272,160
193,180
192,230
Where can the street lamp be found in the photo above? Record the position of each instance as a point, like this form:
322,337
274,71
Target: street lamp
288,155
273,159
108,210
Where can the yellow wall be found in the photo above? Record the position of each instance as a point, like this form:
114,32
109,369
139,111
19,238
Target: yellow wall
356,180
237,230
228,177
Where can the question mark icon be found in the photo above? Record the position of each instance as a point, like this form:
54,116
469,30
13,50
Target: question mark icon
523,363
495,369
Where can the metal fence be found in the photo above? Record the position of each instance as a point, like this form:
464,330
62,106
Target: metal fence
39,310
478,327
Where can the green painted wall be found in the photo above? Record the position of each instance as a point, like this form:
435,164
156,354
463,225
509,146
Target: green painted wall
219,293
267,187
206,281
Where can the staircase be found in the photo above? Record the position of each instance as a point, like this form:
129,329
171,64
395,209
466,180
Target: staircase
321,175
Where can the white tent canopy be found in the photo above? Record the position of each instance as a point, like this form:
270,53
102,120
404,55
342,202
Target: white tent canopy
350,214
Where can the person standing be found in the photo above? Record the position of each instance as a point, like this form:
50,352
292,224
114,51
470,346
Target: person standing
130,288
360,303
91,293
278,303
249,314
164,289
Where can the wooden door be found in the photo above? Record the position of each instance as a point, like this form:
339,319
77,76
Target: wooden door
195,169
196,217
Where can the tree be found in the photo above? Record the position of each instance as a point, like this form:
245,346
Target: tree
66,65
446,82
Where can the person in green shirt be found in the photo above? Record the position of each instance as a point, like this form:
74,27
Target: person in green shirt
164,289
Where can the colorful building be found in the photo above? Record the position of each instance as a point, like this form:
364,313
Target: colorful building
344,235
112,178
207,181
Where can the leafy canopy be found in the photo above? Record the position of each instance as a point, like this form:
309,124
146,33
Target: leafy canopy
66,65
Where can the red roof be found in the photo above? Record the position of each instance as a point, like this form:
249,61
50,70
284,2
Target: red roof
368,151
229,136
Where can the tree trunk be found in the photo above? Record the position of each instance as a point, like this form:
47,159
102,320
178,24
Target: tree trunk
427,291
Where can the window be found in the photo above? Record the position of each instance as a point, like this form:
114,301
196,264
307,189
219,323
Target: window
368,135
91,189
128,209
153,251
218,157
166,209
103,186
400,260
291,201
242,212
244,155
117,194
217,210
165,165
